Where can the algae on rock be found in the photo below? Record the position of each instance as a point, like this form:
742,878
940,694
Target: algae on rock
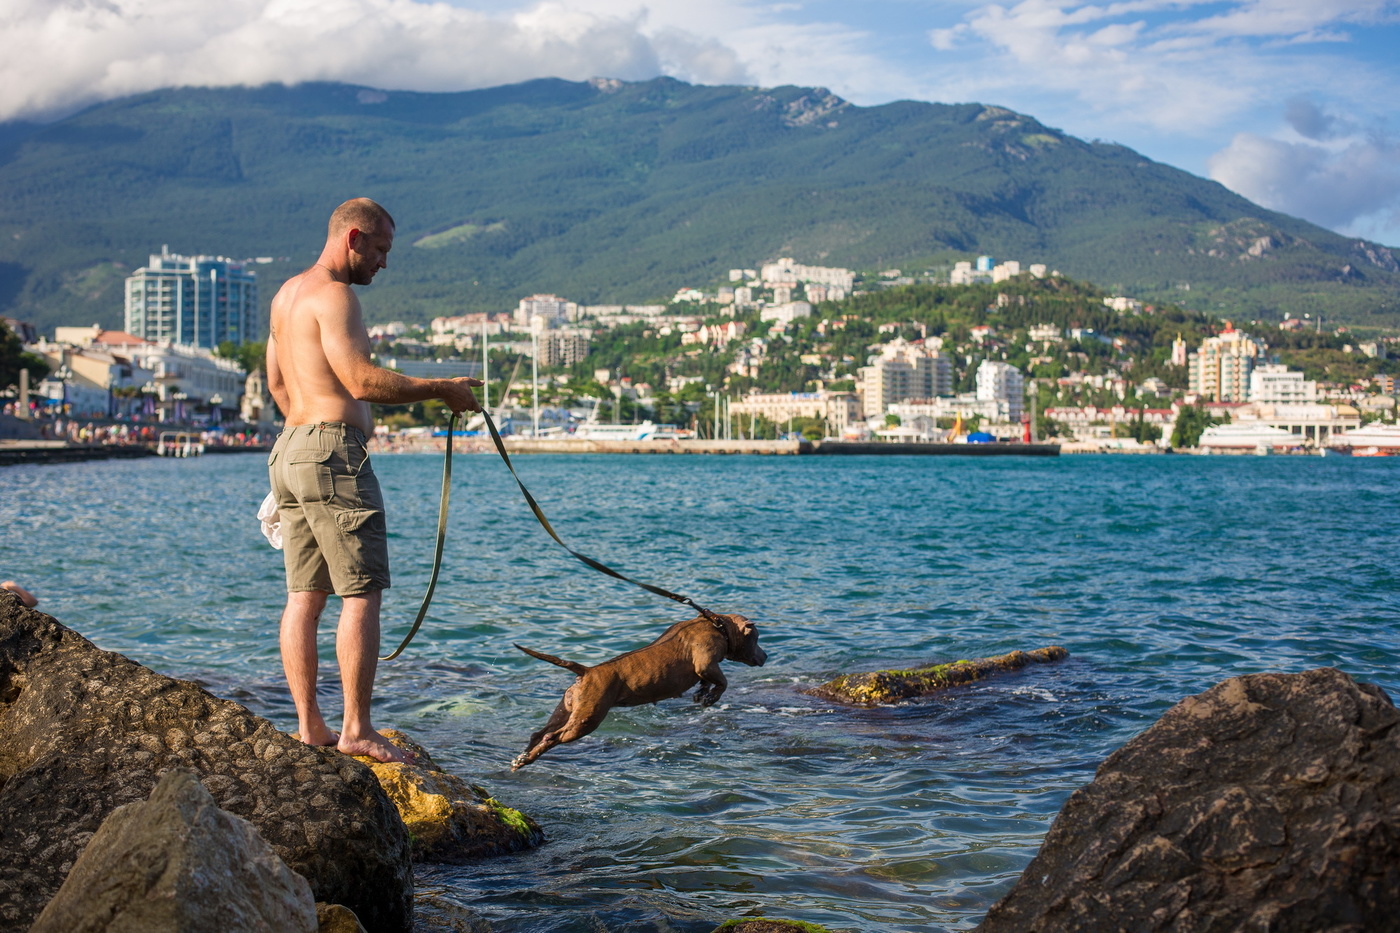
449,819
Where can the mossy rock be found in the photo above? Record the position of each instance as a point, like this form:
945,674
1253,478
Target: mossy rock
877,687
449,819
766,925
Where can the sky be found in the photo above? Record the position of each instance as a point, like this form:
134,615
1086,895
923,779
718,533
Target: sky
1291,103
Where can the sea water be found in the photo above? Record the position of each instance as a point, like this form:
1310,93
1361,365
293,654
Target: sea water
1161,575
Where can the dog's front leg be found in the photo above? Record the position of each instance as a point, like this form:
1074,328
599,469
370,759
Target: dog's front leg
546,738
712,685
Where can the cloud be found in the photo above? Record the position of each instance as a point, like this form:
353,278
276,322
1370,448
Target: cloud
56,56
1159,64
1351,185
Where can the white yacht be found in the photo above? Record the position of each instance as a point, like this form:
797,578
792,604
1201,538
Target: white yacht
1244,435
1372,440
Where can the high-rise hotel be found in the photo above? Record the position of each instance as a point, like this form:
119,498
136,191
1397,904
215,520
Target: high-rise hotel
198,301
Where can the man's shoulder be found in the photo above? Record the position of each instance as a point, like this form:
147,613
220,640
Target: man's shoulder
315,293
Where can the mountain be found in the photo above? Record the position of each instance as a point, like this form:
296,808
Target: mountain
606,191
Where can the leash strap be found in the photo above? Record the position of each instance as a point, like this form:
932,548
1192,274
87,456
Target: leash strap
714,620
441,539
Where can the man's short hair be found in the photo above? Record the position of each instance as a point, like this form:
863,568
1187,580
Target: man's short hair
358,214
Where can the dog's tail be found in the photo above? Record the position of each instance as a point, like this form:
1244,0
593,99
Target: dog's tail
577,668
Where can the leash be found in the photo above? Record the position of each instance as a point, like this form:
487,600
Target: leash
441,539
599,566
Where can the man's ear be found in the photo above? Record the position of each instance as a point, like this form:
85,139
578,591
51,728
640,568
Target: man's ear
353,235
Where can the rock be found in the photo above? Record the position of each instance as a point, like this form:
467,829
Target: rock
889,686
84,731
178,862
337,918
1269,802
448,819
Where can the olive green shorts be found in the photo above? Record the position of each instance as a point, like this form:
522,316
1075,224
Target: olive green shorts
332,512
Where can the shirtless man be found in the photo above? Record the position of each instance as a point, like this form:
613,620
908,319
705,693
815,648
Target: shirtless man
332,513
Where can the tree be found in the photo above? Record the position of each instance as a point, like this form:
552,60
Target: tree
250,356
1191,422
13,358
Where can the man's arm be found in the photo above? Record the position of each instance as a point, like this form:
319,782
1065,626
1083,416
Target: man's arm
346,345
275,383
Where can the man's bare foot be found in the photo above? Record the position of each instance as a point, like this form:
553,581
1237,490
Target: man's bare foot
377,747
321,738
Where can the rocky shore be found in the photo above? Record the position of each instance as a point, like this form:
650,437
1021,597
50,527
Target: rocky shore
133,801
84,732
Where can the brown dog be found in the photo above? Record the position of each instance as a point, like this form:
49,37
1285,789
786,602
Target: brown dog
687,653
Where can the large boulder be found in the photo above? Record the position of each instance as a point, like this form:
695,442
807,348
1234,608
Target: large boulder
178,862
84,731
1269,802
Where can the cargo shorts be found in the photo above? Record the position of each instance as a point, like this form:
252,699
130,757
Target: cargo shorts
334,538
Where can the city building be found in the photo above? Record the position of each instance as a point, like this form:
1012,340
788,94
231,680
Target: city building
901,371
836,409
1274,382
198,301
547,310
1002,382
1220,370
787,272
786,312
564,347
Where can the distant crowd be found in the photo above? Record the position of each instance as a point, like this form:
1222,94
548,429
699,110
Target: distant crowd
57,427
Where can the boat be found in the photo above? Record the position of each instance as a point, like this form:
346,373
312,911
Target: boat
1247,437
1372,440
593,431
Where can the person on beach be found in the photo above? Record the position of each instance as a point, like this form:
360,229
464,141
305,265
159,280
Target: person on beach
331,509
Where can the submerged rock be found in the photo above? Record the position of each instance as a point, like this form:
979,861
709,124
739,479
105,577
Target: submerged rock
84,731
178,862
765,925
448,819
1269,802
889,686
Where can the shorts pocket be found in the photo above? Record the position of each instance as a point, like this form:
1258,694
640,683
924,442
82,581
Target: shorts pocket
308,475
360,521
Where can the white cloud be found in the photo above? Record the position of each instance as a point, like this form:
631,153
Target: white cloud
1152,63
1351,185
56,56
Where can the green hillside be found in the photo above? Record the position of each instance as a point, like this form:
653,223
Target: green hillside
612,192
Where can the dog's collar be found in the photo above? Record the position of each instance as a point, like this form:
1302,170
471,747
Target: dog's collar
718,622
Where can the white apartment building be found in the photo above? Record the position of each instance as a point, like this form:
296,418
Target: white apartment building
901,371
1002,382
1274,382
786,313
549,309
1005,270
786,271
1220,370
198,301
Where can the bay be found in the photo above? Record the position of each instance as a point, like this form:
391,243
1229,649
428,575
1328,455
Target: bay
1161,575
